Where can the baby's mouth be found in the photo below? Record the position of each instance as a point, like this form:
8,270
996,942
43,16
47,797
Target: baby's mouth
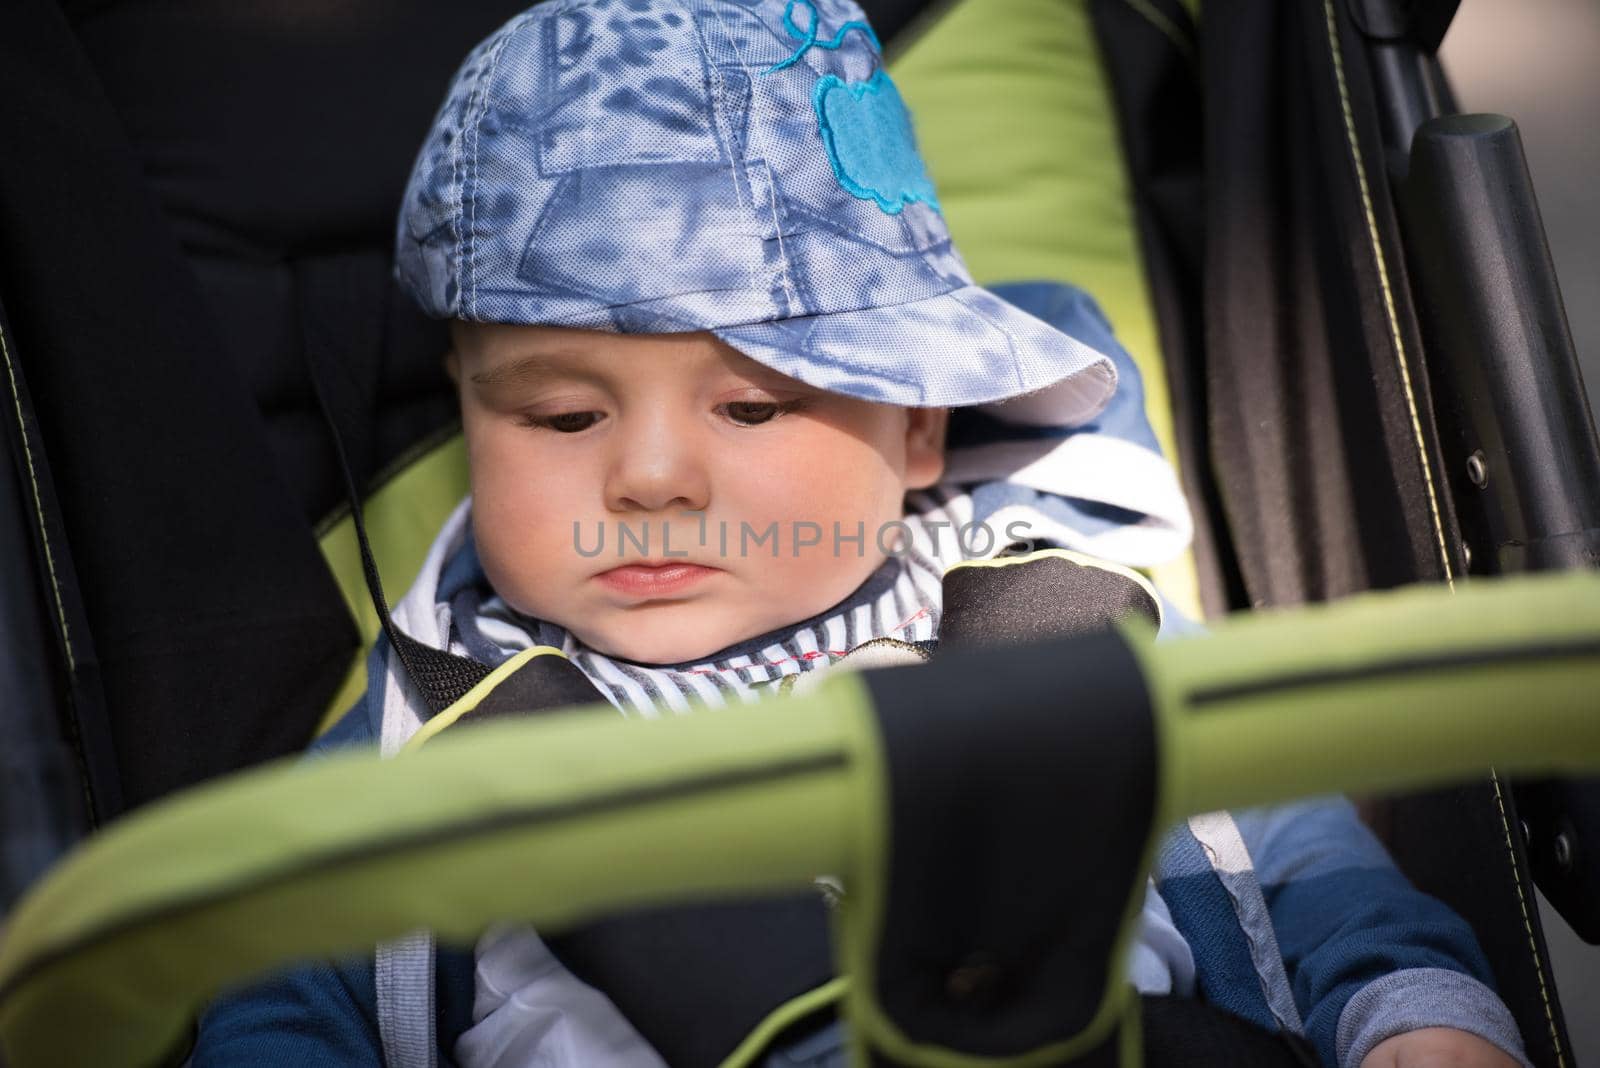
649,579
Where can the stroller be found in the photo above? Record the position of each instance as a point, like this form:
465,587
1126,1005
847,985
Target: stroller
1245,199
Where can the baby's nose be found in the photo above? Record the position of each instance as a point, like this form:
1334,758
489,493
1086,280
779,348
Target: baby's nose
657,471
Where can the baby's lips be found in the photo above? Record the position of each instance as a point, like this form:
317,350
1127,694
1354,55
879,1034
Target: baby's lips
653,579
656,563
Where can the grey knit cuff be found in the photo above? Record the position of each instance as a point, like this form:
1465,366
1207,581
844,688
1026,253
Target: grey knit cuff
403,971
1423,997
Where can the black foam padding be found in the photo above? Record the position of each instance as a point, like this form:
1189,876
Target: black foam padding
1038,597
1021,786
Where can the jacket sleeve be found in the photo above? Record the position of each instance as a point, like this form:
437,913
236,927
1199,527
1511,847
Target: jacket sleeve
325,1014
318,1014
1368,955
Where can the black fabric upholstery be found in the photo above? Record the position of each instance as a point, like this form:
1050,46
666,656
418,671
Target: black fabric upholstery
696,979
1153,66
1185,1033
210,615
276,136
46,797
1317,451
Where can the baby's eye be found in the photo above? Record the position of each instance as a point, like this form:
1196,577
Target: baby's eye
754,413
751,413
565,422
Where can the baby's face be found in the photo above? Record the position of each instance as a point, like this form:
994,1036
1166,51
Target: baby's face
599,459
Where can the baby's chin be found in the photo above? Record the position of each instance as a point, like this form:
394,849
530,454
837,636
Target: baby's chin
663,634
674,646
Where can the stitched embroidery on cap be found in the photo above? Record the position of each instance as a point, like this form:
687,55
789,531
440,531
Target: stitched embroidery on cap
808,36
864,125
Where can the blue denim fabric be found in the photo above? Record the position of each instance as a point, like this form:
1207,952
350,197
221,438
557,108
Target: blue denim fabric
740,166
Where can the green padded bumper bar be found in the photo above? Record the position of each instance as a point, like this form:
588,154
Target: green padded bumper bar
562,819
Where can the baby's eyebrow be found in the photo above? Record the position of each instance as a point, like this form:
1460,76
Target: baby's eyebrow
530,368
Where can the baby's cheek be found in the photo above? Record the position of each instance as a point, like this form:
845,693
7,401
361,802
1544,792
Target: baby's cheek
835,477
511,564
523,514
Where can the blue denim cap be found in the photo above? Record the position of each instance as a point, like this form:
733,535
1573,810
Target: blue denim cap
739,166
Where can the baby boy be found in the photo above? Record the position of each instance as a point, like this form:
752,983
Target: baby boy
708,330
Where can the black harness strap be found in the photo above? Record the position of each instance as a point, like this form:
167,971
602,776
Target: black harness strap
442,677
1009,875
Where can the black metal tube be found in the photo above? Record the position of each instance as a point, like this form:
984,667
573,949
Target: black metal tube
1411,89
1409,86
1515,425
1519,438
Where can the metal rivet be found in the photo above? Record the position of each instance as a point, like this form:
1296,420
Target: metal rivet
1564,851
1478,469
1466,555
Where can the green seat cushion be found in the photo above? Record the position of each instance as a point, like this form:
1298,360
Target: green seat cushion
1015,120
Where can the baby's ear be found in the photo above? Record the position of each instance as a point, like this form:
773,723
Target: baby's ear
452,366
925,429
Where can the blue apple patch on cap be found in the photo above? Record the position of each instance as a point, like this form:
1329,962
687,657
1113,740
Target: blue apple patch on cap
867,132
864,125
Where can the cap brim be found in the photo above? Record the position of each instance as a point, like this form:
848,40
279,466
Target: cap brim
961,348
